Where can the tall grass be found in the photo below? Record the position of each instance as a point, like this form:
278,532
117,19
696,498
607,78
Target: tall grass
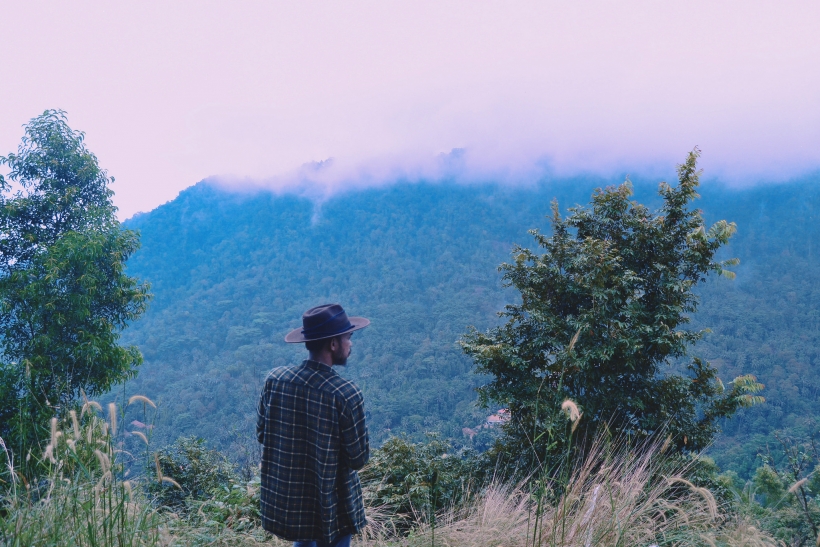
616,496
82,497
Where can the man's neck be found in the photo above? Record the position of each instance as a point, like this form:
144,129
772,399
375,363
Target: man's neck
324,357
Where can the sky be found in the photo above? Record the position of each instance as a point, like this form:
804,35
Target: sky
170,93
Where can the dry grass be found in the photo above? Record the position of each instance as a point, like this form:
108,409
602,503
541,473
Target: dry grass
615,498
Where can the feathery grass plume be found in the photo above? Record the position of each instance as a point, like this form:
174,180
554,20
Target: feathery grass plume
89,432
666,444
141,435
142,399
89,405
49,453
571,410
75,424
72,444
574,340
121,451
740,531
9,461
54,432
159,467
707,496
796,486
127,486
112,417
102,457
101,484
171,481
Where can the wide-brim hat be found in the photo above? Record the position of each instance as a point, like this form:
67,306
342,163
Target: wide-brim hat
325,321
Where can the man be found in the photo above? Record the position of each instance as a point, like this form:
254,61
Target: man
314,439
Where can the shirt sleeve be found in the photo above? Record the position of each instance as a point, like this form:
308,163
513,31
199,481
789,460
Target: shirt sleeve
355,443
261,414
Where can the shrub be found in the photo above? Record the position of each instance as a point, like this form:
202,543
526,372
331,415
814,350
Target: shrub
197,472
411,482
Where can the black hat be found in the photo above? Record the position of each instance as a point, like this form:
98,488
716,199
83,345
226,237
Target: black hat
325,321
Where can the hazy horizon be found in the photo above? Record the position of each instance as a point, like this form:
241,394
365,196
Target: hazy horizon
249,93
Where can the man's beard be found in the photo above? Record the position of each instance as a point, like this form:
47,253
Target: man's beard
339,358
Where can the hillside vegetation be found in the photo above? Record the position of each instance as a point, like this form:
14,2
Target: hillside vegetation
232,273
605,419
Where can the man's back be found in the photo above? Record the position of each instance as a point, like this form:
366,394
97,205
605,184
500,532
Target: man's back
312,428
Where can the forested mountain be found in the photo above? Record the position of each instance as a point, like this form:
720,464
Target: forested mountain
232,273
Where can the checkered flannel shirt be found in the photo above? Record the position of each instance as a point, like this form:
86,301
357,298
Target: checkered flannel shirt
312,429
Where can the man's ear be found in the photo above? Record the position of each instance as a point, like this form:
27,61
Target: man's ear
334,344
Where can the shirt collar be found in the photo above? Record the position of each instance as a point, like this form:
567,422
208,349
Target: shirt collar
316,365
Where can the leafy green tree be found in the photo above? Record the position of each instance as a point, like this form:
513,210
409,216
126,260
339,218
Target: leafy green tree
64,293
602,309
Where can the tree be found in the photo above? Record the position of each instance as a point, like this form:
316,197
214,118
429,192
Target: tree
602,309
64,293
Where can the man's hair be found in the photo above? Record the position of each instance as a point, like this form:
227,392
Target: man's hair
318,345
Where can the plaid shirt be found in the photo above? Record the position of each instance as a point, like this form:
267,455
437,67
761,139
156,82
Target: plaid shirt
311,426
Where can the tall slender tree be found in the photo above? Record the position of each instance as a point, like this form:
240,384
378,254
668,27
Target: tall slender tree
604,310
64,294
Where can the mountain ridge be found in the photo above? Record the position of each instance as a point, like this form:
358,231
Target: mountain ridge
232,272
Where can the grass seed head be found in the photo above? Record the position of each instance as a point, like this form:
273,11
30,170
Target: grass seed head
159,468
75,424
571,410
141,435
49,453
54,432
100,485
112,417
88,406
171,481
102,457
142,399
796,486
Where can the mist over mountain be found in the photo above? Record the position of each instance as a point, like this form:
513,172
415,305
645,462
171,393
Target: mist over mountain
233,272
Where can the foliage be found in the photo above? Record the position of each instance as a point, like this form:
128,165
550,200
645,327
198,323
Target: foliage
412,482
64,293
233,504
602,309
784,493
197,472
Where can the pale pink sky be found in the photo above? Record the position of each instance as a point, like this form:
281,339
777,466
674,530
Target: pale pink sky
172,92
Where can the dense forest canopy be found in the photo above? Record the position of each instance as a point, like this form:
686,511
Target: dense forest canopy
232,273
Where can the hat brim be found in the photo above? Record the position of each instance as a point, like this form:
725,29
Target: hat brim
295,336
